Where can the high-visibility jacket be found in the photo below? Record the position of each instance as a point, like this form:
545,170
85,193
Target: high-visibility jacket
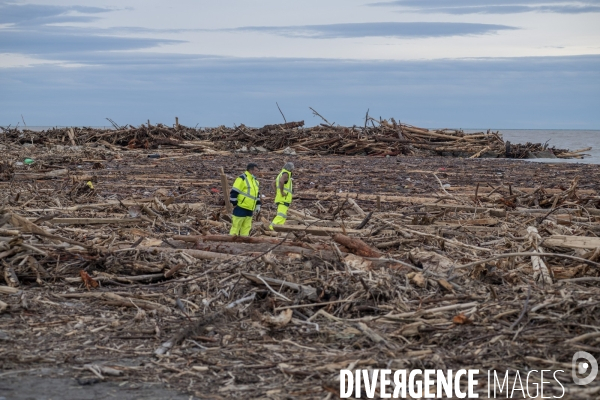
244,193
287,189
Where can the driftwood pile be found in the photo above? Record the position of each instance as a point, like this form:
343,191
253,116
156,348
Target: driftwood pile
375,138
118,267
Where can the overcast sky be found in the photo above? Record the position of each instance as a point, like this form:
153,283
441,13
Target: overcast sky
434,63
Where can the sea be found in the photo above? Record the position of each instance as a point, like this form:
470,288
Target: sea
559,138
571,139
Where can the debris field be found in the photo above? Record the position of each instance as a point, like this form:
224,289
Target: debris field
375,138
117,265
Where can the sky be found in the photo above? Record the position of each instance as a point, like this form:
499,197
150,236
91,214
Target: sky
489,64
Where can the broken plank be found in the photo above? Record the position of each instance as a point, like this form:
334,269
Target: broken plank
94,221
572,242
44,175
225,238
369,197
495,212
314,230
8,290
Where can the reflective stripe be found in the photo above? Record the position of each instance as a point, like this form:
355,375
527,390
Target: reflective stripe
249,188
287,191
245,194
282,215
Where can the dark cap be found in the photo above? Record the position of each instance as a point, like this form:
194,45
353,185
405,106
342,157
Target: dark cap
251,166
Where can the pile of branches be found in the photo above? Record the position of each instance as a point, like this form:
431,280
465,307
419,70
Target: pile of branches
375,138
144,136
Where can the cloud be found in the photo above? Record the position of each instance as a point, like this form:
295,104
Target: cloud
75,43
378,29
29,30
495,6
56,41
37,14
546,92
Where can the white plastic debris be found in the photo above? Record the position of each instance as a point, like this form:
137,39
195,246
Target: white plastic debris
289,151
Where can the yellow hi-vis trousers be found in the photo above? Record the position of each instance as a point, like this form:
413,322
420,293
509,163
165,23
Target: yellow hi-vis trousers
240,226
281,216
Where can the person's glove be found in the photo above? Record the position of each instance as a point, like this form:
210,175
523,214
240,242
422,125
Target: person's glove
257,209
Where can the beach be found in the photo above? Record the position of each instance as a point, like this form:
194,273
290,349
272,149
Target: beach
129,272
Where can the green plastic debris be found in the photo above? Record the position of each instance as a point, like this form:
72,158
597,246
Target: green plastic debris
28,161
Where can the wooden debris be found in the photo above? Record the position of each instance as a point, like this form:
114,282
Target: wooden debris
384,267
95,221
371,334
313,230
540,270
225,188
309,292
280,320
8,290
203,255
418,279
355,262
572,242
88,281
10,277
430,261
46,175
379,138
356,246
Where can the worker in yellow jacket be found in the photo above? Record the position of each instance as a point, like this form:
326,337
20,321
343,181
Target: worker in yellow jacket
245,197
283,194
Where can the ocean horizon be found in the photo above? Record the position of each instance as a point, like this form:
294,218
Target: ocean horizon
572,139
